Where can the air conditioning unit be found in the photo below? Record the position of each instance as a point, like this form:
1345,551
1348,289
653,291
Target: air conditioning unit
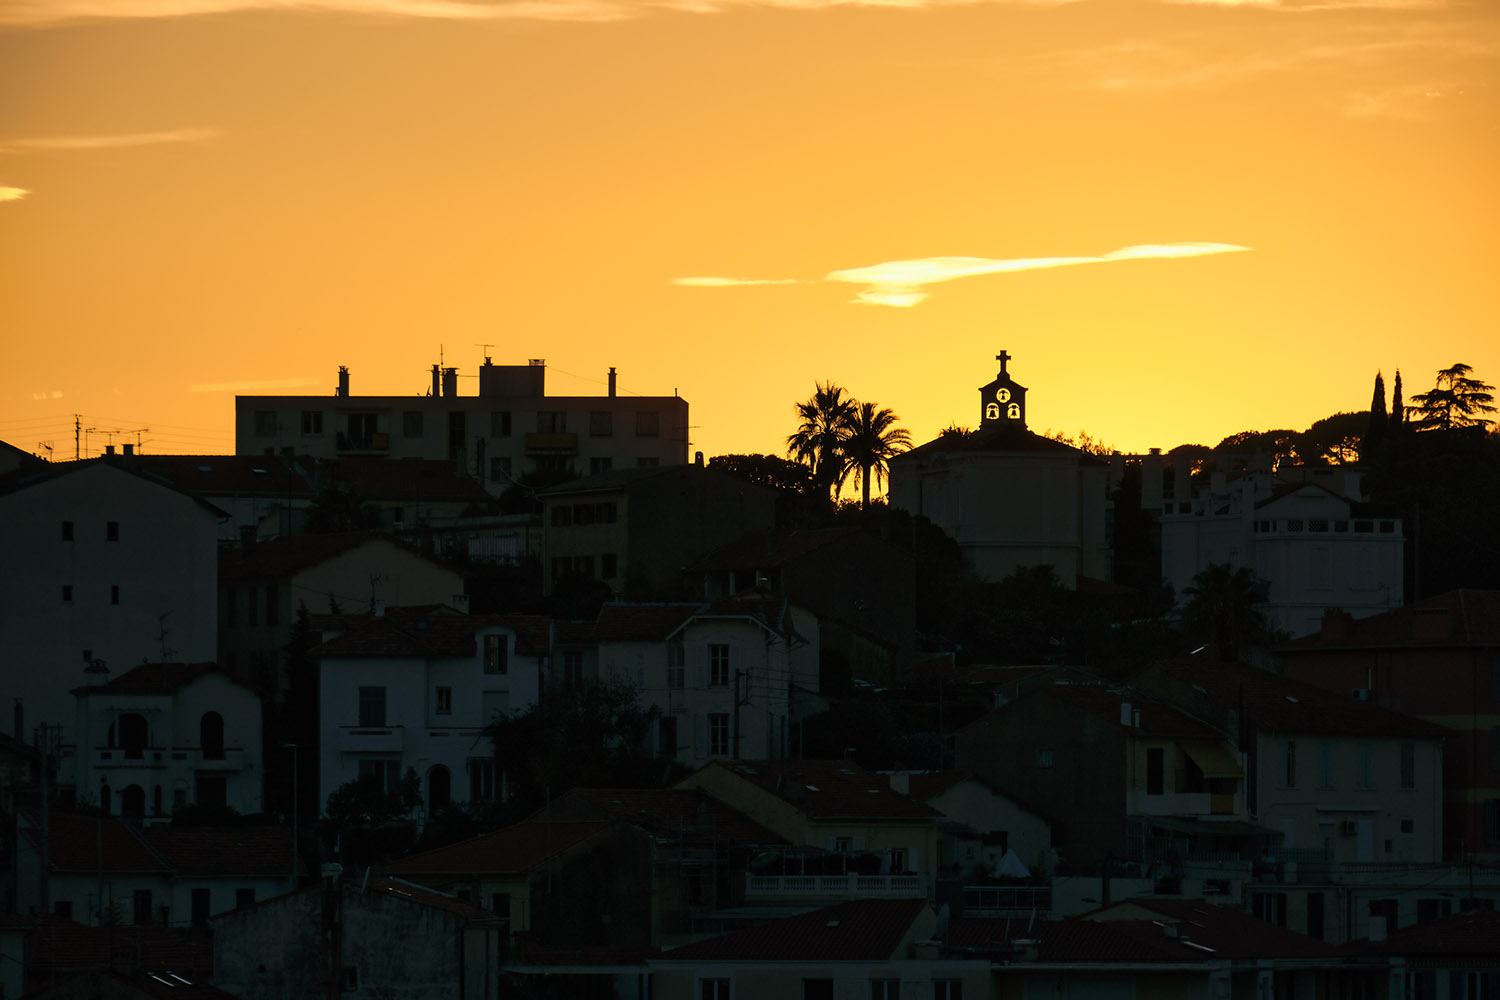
1347,828
1360,694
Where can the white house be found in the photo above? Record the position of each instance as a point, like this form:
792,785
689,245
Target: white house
721,673
102,565
416,691
165,735
1316,547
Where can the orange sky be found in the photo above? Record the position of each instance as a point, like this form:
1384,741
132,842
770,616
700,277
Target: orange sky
1182,219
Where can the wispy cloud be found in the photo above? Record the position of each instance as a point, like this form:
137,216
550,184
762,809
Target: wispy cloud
12,193
1317,5
75,142
257,386
902,283
42,12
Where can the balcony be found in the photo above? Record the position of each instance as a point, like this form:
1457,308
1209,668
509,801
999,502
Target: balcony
370,739
1007,900
763,888
151,758
374,443
551,443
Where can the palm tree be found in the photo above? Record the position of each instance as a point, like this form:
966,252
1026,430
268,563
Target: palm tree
818,439
870,440
1221,606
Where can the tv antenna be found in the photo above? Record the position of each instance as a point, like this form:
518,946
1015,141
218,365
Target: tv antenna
486,348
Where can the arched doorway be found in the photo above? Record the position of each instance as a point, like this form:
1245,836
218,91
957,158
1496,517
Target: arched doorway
439,788
133,735
211,735
133,804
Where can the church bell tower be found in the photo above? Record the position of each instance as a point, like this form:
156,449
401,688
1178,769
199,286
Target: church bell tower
1002,403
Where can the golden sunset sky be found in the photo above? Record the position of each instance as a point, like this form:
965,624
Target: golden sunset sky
1183,219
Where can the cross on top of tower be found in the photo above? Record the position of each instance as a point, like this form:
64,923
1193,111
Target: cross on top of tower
1003,357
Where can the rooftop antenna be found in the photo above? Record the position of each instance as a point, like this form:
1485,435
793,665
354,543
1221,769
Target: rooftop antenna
486,349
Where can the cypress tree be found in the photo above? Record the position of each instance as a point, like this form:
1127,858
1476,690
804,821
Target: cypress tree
1376,429
1398,411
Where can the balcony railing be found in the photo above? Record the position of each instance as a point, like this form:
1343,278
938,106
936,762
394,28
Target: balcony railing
1007,900
905,886
370,739
376,442
551,443
154,758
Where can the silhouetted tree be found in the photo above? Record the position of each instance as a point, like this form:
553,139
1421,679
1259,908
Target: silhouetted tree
954,434
869,440
1278,444
1456,400
767,470
1398,411
1222,609
1334,440
1377,423
340,507
820,432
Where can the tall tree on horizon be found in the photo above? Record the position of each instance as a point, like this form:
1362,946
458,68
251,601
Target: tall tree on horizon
870,439
1378,419
1455,400
818,439
1398,411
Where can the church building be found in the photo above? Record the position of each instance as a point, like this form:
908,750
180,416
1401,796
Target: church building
1010,498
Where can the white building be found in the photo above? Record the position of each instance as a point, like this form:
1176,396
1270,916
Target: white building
404,691
509,429
1317,548
165,735
102,564
1008,497
721,673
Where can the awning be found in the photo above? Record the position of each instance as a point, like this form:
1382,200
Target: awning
1213,760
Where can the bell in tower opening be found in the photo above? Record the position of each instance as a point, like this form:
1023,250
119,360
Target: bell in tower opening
1003,402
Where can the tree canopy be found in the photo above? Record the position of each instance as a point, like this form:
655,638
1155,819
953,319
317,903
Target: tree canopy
1457,399
839,439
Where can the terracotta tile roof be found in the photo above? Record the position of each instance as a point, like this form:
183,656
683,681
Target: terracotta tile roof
1455,618
251,851
576,633
422,896
45,472
869,930
770,610
1476,934
1159,720
684,815
527,951
1230,933
160,984
284,557
436,635
77,843
830,789
928,785
232,475
155,678
59,946
1281,703
515,850
631,622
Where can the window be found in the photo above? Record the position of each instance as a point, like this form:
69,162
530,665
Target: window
885,989
647,424
1325,764
201,905
386,772
572,668
900,860
133,736
843,845
312,422
494,654
676,665
481,780
817,989
713,989
1044,758
500,904
718,733
500,469
1289,765
647,462
599,466
1366,766
1155,770
553,464
273,615
947,989
1409,761
67,531
551,421
601,423
443,703
371,706
63,908
229,607
667,733
718,665
265,423
211,736
608,566
1271,907
562,515
114,593
67,593
500,423
141,900
251,605
244,897
111,531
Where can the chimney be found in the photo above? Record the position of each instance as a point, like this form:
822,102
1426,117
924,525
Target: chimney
109,449
437,385
611,383
450,381
343,389
129,449
698,459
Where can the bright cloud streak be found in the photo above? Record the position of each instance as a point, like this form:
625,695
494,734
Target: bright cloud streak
900,283
12,193
75,142
272,383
